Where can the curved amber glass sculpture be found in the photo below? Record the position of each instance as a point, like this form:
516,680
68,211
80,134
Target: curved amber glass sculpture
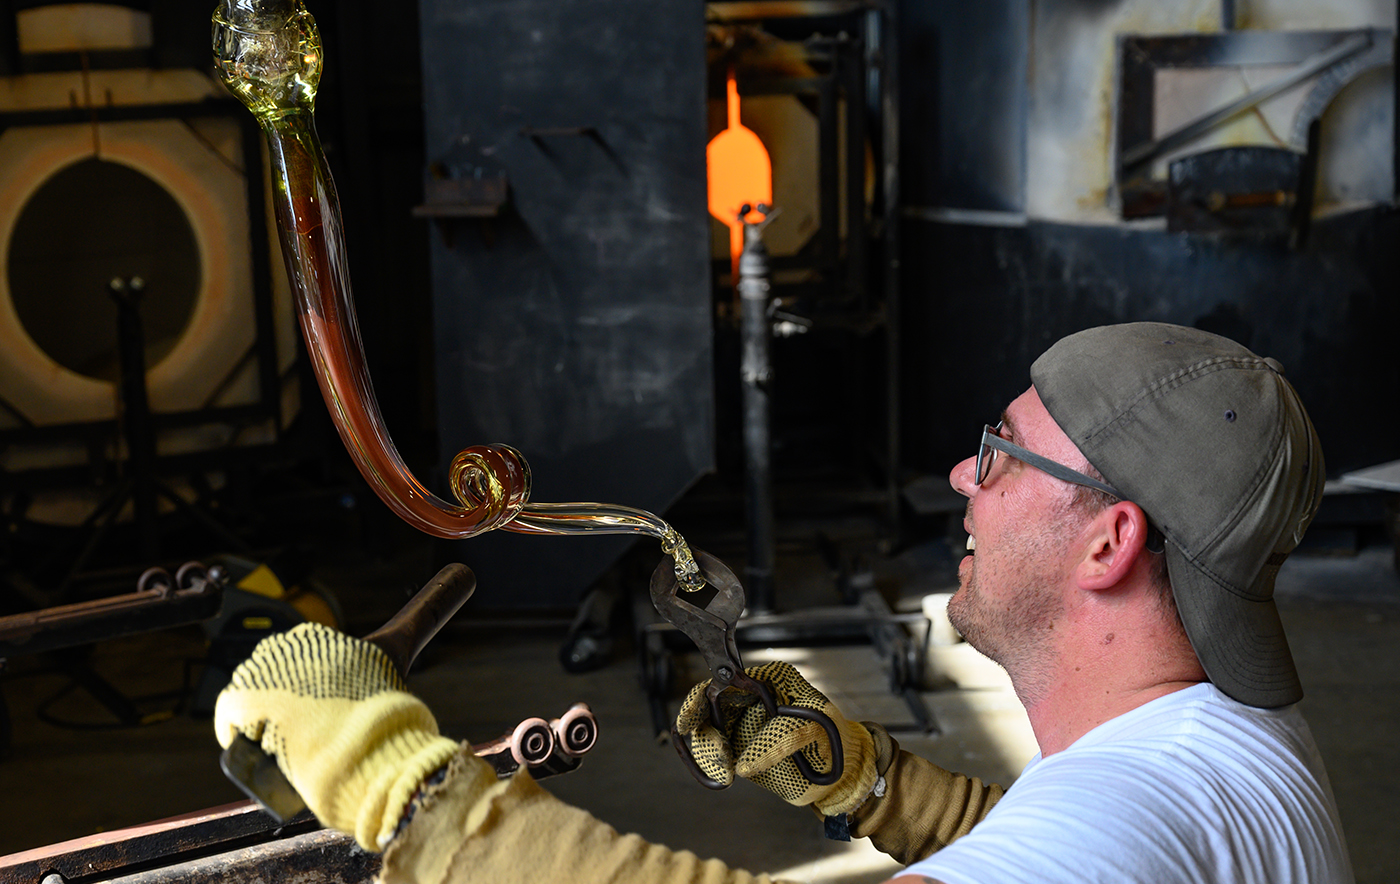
268,53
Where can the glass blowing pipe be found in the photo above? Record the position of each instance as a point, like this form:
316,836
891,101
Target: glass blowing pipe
268,54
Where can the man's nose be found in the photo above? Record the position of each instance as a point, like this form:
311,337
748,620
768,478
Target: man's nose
962,475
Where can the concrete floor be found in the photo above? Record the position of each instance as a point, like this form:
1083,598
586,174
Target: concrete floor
61,782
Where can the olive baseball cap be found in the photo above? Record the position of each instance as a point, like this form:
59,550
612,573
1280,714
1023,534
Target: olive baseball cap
1213,444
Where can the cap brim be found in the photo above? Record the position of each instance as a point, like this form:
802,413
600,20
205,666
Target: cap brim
1240,642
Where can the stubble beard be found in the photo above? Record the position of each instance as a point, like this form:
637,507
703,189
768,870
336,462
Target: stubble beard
1016,631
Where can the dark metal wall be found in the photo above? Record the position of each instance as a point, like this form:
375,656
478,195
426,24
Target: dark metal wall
963,104
574,325
993,298
986,291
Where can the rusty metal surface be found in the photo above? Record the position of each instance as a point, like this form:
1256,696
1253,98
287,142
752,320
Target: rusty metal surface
323,857
151,845
755,10
158,604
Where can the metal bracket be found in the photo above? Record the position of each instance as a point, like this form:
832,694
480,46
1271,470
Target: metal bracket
1330,59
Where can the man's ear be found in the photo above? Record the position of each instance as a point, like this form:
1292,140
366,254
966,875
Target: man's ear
1117,540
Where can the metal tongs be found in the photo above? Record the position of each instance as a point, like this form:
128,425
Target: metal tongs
712,628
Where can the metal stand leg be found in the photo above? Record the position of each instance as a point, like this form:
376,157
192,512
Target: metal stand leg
140,486
866,618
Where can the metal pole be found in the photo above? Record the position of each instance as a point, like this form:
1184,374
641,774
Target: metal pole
757,372
136,410
885,65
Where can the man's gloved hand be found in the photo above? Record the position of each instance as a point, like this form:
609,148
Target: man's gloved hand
758,748
339,720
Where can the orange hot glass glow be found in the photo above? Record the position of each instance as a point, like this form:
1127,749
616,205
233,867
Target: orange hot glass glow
739,173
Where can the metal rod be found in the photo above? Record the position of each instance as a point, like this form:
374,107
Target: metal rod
136,410
82,623
756,371
884,20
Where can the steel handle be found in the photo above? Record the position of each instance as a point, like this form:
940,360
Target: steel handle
833,735
405,635
402,638
804,767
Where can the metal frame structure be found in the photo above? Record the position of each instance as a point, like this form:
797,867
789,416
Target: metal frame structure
264,350
857,103
852,48
1334,58
101,438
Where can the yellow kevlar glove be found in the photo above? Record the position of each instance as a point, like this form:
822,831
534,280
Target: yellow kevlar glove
758,748
474,829
337,716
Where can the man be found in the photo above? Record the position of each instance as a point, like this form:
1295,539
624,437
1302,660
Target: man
1126,520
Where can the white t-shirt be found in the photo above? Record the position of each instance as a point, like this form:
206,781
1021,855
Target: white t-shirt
1192,787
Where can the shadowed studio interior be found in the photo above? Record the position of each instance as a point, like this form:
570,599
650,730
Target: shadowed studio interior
325,312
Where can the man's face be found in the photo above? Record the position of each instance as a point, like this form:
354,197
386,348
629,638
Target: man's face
1020,523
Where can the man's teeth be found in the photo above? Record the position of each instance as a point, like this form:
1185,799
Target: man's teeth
971,543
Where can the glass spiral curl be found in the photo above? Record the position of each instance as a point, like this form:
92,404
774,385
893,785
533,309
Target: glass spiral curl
268,53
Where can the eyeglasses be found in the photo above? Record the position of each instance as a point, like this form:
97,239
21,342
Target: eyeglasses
992,442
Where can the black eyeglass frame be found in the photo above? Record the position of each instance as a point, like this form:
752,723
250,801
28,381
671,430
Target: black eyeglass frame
993,442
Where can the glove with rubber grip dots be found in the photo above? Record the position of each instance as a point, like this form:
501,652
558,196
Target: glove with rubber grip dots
339,720
758,748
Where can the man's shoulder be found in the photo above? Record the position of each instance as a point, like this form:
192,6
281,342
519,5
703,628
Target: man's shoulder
1200,714
1212,751
1159,797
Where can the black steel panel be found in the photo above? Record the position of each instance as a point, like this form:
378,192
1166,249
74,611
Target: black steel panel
1328,312
1243,188
574,325
963,104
